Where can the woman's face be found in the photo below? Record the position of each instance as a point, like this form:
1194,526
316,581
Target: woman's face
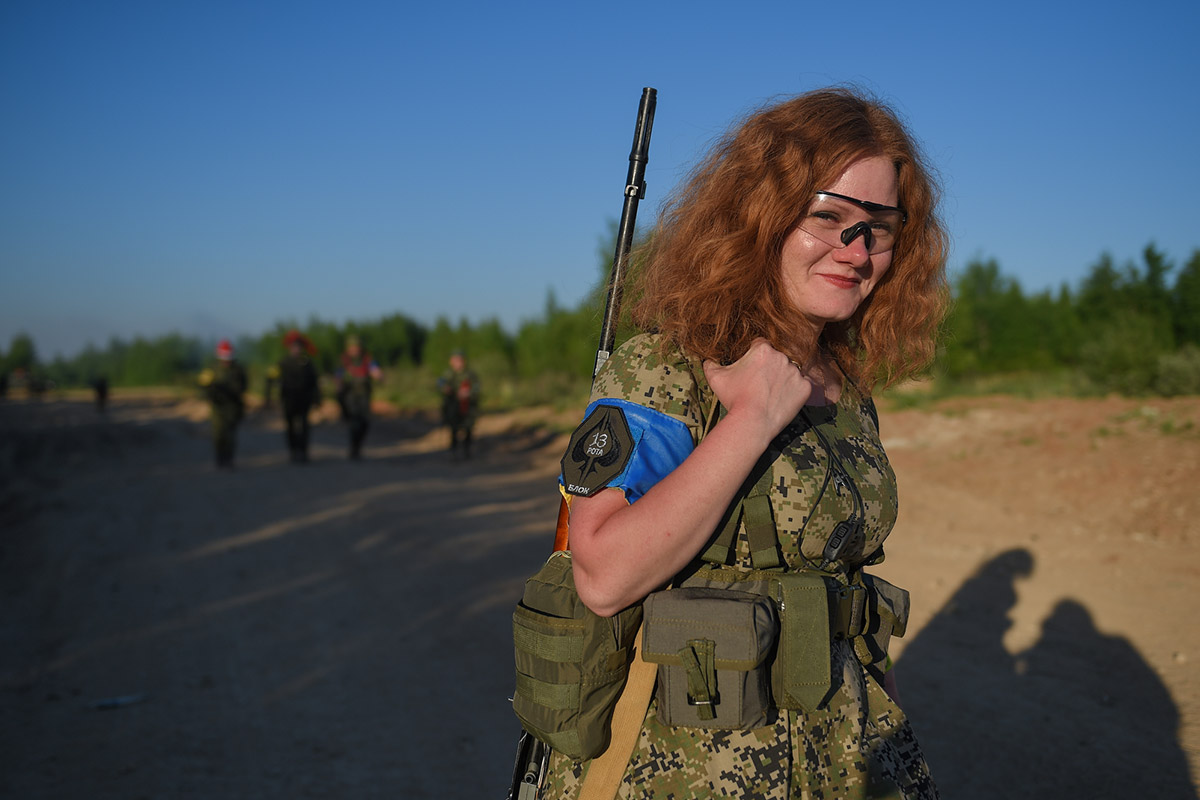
827,283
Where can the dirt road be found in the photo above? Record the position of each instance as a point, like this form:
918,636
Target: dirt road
343,629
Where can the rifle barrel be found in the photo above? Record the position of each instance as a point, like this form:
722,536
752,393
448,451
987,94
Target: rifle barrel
635,190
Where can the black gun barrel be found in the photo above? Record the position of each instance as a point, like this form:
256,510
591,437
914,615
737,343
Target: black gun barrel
635,190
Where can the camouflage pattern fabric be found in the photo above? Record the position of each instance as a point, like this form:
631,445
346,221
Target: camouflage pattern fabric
459,411
859,744
225,390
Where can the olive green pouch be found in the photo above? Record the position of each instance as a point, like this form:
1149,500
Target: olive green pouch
800,676
571,663
713,647
887,616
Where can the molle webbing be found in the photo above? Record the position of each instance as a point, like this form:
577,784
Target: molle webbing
571,664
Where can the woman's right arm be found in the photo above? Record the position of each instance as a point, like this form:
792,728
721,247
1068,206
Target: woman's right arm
621,552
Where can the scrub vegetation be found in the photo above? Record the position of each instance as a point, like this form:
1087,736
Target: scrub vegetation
1131,329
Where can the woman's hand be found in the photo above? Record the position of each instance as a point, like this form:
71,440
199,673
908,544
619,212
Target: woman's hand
763,387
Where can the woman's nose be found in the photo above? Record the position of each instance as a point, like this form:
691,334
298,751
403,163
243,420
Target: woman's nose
856,248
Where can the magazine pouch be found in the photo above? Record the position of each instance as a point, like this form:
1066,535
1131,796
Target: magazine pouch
571,664
712,647
800,676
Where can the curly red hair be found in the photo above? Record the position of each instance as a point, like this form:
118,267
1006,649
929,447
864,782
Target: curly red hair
710,280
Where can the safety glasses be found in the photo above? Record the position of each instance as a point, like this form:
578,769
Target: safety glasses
837,220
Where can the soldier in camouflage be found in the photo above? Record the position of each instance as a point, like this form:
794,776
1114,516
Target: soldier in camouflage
299,392
459,388
225,385
802,264
356,378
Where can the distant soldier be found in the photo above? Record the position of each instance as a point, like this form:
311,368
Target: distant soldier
270,382
225,384
355,377
35,385
459,387
298,391
100,388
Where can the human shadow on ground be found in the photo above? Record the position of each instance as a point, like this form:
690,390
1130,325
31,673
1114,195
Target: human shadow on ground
1078,714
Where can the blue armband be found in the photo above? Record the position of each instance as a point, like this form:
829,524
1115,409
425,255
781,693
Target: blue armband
623,445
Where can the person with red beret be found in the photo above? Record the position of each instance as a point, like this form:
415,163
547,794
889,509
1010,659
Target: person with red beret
298,392
224,384
356,377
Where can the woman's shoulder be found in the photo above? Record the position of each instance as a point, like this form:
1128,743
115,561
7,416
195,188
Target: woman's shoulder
855,400
651,372
646,349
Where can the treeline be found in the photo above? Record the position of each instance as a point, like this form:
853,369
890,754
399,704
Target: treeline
1133,329
548,355
547,358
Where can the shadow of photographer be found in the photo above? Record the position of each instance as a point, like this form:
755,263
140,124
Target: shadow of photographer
1078,714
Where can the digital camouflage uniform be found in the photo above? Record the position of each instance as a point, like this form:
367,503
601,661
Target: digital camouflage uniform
354,397
225,389
460,405
858,744
298,392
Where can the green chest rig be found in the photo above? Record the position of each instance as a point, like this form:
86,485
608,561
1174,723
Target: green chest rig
816,607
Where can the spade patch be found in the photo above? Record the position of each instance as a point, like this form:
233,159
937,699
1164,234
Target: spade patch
598,452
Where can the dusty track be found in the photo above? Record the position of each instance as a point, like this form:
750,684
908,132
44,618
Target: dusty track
342,629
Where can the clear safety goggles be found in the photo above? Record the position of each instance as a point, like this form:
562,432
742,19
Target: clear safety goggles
837,220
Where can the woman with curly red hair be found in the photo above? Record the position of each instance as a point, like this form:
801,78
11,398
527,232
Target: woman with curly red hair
801,265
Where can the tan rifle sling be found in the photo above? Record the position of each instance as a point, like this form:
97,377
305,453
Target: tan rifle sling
605,771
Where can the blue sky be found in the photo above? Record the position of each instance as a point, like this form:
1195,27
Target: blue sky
212,167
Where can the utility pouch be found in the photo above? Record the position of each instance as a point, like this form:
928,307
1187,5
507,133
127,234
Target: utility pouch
801,665
571,664
887,616
712,647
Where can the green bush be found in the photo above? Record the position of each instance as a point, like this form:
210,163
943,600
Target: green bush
1179,372
1122,355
